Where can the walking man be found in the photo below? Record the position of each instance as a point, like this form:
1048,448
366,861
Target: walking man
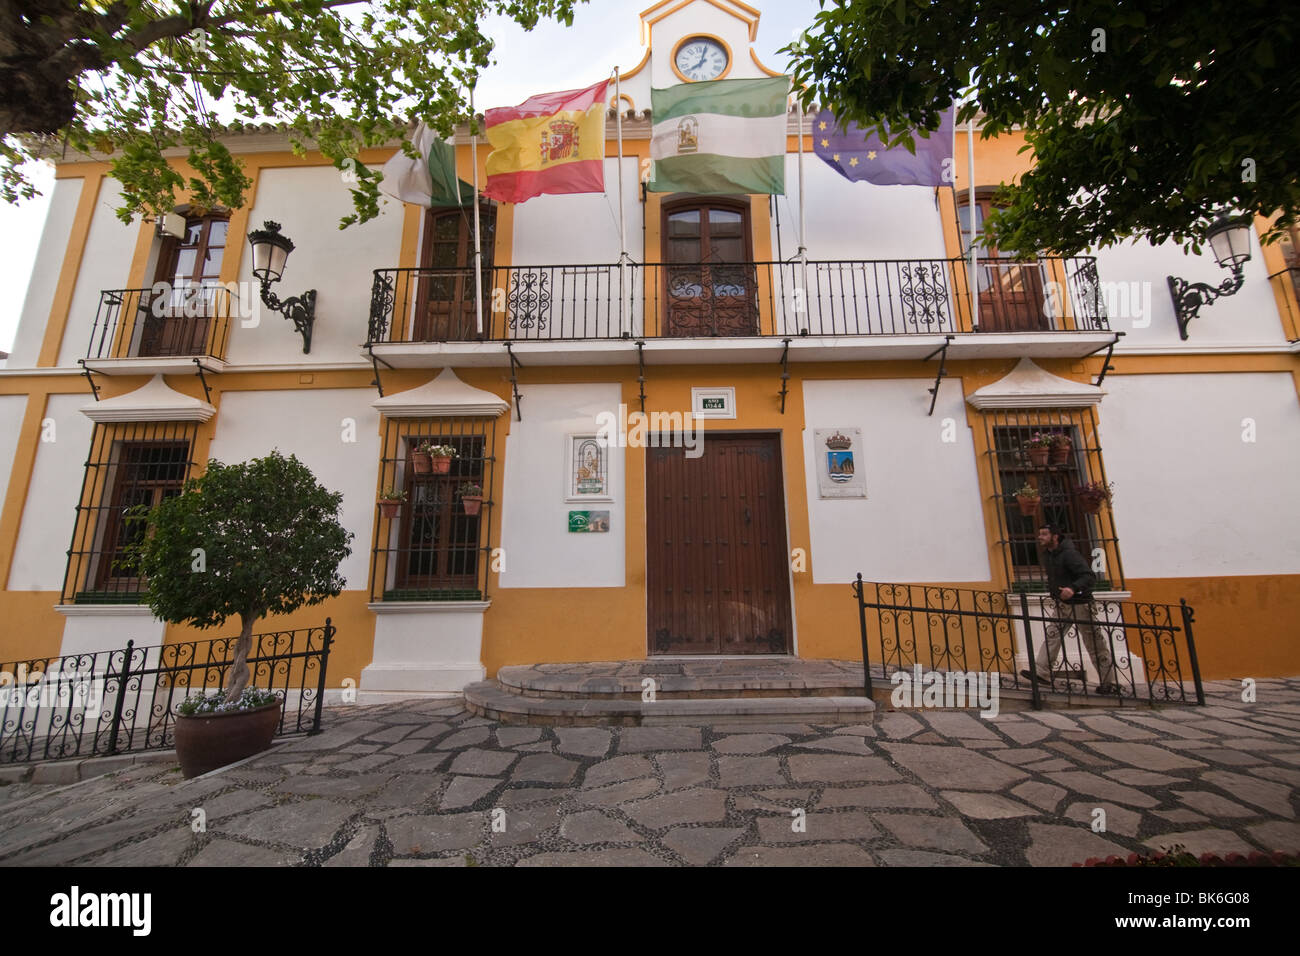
1069,584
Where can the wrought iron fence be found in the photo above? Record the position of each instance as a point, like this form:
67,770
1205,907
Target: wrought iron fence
120,701
161,322
721,299
1150,647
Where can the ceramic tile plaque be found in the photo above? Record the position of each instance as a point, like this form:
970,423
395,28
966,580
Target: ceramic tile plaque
588,521
838,455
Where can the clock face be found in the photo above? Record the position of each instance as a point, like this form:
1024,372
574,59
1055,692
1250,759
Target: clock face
700,58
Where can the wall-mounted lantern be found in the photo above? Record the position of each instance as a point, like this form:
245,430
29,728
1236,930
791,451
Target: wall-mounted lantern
270,252
1229,239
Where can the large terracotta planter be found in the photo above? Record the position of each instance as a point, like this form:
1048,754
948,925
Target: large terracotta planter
472,503
422,463
1038,456
207,741
441,466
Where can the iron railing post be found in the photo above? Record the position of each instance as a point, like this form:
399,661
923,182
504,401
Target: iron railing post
862,625
1029,652
320,683
121,698
1188,617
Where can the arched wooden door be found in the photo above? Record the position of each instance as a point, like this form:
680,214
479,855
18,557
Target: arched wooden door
710,282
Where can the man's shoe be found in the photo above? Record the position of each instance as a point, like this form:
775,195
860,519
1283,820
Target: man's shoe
1030,677
1107,690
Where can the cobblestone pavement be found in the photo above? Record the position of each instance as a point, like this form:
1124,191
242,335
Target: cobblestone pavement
424,783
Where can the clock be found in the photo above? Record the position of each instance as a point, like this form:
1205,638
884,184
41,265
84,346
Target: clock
701,58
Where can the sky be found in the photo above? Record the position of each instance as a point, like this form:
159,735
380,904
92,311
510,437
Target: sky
527,63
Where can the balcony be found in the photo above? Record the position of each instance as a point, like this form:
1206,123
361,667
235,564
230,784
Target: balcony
159,330
1286,289
739,312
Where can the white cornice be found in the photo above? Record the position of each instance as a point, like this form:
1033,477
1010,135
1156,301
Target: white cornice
445,396
1029,386
427,607
153,401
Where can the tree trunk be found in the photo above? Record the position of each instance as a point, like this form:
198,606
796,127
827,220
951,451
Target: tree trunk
239,674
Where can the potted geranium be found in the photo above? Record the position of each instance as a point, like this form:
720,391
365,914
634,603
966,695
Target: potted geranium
471,497
1059,453
390,502
1092,494
1038,446
440,458
420,458
1027,499
247,540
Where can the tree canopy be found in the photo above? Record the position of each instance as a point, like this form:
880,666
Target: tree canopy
133,79
1145,117
247,540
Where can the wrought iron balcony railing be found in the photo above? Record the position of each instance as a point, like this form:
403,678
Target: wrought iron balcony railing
157,323
717,299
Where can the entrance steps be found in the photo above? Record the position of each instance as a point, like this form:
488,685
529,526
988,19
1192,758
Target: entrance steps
667,691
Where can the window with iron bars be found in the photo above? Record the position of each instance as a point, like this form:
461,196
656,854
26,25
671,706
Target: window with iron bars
434,548
132,465
1062,484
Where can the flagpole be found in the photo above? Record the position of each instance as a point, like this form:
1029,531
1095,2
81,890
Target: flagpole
622,224
974,212
478,251
803,218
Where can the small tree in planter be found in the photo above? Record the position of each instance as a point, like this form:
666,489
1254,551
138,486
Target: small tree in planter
471,496
270,542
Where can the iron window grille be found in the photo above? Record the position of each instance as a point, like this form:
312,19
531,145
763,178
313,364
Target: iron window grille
130,465
1011,467
433,549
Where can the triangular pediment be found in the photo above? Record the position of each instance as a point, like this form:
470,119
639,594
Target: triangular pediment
154,401
1029,386
445,396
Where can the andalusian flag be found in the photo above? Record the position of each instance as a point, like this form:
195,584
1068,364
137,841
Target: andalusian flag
551,143
430,180
722,136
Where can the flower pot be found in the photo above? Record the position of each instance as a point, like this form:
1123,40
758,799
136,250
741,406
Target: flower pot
1090,501
472,503
207,741
1060,452
422,462
390,509
1028,506
1038,456
441,465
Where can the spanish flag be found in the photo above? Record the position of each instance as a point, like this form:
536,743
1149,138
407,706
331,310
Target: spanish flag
550,143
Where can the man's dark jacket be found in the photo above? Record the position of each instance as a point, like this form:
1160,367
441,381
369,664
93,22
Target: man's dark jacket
1066,569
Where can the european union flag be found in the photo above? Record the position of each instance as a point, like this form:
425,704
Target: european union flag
860,157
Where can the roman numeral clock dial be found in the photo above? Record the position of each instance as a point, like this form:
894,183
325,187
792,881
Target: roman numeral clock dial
700,58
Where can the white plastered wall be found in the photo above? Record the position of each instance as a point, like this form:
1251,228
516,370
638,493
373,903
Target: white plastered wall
1191,497
1134,286
105,264
922,519
310,424
540,552
41,555
580,227
308,202
45,273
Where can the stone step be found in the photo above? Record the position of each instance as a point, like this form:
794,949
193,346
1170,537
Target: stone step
489,699
693,680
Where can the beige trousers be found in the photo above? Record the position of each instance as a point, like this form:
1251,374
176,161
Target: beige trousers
1096,640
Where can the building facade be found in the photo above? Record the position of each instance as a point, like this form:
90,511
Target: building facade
866,411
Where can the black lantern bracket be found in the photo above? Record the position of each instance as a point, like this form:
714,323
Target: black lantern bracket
1190,296
298,309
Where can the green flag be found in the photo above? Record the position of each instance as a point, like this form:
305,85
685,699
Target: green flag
430,180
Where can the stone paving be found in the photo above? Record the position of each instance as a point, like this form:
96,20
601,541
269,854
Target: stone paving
424,783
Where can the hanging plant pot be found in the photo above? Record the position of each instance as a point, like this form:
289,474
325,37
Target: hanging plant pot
441,465
207,741
472,504
1038,456
423,463
1060,451
1028,506
1090,501
390,509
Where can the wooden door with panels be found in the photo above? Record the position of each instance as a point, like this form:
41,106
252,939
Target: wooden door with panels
1011,294
190,267
717,567
710,285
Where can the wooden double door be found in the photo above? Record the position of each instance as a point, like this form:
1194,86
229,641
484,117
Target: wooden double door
717,568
